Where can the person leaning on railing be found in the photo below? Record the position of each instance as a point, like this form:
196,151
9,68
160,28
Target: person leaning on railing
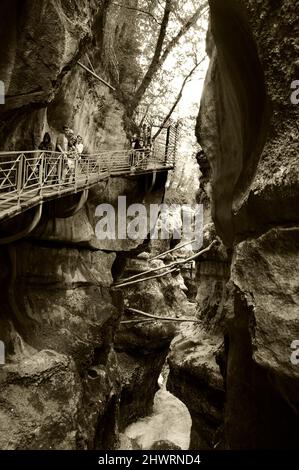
135,145
142,154
73,156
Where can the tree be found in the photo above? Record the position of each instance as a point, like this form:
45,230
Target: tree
155,62
166,38
179,96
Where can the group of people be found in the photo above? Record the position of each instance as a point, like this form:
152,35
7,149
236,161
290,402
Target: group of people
66,142
69,145
143,140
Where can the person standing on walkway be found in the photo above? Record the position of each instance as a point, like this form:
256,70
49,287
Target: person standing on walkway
62,140
135,145
79,145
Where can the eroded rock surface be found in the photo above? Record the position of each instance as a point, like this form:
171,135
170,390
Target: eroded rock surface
196,358
57,321
262,323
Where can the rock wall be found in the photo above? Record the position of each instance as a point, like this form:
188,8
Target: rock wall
57,322
41,42
247,128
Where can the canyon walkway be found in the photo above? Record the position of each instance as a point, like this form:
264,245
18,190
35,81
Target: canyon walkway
29,178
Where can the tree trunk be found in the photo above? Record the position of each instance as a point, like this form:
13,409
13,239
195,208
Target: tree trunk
159,56
155,63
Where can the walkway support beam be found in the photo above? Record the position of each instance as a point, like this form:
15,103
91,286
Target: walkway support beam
27,230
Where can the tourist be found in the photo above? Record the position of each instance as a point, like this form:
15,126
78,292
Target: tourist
79,145
46,143
72,142
135,142
141,155
135,145
72,155
143,133
62,140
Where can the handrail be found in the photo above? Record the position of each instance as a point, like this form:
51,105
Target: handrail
98,154
26,231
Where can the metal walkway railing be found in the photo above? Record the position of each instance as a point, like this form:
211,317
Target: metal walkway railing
31,177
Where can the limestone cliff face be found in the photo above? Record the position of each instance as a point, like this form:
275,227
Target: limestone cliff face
57,322
247,128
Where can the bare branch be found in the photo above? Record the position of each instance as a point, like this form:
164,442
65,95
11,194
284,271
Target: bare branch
179,96
139,10
155,317
170,267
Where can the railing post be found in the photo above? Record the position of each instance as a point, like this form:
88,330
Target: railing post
41,171
59,172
